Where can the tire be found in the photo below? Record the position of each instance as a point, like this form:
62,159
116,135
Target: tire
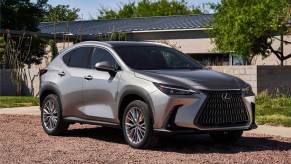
229,137
51,116
143,125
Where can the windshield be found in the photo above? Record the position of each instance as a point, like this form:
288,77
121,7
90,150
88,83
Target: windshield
155,58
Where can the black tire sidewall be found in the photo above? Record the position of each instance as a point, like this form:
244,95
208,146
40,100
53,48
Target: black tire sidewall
148,120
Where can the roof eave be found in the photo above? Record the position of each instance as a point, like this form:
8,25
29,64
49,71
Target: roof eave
172,30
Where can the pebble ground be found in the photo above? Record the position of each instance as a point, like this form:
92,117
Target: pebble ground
22,140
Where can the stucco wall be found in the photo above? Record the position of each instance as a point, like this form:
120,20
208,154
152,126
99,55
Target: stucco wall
30,82
262,78
197,44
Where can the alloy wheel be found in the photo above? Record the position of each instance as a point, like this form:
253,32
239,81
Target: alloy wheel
50,115
135,126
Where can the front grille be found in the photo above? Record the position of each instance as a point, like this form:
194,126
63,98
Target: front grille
223,109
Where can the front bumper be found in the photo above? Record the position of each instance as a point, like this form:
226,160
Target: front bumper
177,113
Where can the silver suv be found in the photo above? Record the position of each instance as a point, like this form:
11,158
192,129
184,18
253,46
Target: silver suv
143,88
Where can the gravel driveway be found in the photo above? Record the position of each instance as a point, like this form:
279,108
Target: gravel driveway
23,141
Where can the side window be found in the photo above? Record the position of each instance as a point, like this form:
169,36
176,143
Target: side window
79,57
67,56
101,55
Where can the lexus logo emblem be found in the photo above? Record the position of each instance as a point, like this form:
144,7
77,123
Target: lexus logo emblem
225,96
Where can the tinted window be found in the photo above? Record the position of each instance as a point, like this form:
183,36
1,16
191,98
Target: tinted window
101,55
80,57
155,58
66,57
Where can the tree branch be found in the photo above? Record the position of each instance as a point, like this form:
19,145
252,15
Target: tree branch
282,55
287,56
284,41
277,53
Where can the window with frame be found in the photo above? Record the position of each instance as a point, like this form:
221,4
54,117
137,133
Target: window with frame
102,55
79,57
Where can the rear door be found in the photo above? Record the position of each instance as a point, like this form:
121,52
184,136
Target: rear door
100,89
72,78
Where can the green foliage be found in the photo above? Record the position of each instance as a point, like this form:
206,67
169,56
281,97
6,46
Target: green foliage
22,14
18,101
147,8
247,27
274,110
61,13
2,50
53,48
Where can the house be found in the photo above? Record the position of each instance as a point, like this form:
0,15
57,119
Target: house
188,33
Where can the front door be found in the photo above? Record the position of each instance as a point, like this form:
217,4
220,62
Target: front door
100,89
71,79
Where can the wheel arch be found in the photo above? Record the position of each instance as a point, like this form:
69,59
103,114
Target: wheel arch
46,90
134,94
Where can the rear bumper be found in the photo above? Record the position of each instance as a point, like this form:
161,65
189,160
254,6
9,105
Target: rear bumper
177,114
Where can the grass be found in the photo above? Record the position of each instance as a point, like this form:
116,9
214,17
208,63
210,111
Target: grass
273,110
18,101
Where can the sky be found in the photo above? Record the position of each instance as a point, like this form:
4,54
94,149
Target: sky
89,8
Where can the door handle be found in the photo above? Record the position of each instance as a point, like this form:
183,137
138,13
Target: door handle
89,77
61,73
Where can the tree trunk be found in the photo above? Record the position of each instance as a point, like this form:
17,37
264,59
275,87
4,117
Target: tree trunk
282,50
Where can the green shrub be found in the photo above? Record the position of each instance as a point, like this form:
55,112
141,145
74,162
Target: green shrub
274,110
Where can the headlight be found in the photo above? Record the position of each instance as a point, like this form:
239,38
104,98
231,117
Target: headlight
247,91
174,90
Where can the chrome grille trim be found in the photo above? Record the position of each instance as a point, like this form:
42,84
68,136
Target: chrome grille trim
220,112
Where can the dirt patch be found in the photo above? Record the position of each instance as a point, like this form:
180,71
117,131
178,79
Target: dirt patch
22,140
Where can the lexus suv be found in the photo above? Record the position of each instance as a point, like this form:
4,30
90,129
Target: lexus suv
143,88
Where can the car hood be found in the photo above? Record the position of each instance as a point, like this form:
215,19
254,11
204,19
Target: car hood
198,79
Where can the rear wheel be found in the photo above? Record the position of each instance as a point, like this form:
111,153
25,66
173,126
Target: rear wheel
228,137
137,125
51,116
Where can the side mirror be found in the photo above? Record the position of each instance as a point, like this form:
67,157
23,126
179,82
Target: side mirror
104,66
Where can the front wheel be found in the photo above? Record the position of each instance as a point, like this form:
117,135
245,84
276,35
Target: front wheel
228,137
51,116
137,125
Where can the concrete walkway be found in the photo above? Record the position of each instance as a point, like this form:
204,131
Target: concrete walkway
32,110
272,130
262,129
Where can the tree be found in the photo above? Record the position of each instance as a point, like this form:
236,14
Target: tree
2,50
53,48
249,27
22,14
146,8
61,13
